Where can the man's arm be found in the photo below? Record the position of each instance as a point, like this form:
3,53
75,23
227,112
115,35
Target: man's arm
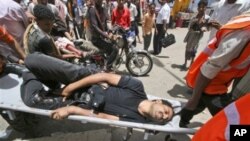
112,79
64,112
228,49
128,19
113,17
135,11
7,38
143,24
166,16
94,22
200,85
16,46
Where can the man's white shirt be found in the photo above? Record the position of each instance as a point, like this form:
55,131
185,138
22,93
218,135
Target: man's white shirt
164,14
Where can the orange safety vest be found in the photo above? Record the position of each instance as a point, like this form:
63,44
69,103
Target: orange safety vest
223,79
217,128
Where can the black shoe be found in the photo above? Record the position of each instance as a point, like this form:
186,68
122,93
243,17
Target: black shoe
15,69
183,67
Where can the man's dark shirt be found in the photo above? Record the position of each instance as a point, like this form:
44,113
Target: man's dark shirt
123,100
38,41
97,30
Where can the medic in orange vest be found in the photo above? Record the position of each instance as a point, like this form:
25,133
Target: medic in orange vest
217,128
226,58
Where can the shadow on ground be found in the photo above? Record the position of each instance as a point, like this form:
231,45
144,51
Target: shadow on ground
180,91
45,127
117,134
157,62
195,124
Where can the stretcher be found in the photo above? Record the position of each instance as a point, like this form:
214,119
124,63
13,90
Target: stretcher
10,101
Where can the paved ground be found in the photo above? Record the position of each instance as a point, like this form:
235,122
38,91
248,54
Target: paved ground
165,80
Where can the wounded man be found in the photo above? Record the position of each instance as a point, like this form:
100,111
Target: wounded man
102,95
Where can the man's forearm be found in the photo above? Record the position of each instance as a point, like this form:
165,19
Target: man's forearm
74,110
111,79
200,85
16,46
165,25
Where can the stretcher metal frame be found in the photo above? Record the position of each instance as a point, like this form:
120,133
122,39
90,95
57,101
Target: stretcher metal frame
10,100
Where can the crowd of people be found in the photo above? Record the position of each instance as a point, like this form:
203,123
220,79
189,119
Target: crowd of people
43,32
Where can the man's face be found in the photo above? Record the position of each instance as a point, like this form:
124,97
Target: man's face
202,8
44,2
120,3
45,24
160,112
152,9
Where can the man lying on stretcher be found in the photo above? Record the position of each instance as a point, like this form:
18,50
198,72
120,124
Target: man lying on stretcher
101,95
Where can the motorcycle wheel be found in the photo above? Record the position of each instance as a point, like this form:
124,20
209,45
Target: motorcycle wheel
139,64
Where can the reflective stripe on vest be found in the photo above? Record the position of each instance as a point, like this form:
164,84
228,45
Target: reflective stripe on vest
239,19
233,118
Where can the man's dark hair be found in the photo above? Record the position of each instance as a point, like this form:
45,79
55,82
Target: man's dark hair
43,12
202,2
152,4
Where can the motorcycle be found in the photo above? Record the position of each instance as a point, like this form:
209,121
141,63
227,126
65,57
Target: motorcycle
138,62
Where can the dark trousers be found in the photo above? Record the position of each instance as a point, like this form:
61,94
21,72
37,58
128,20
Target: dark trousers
157,38
147,40
214,103
108,48
34,95
50,69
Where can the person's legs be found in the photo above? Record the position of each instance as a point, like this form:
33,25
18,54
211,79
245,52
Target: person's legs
137,32
48,68
161,36
157,38
34,95
108,48
147,40
155,42
184,66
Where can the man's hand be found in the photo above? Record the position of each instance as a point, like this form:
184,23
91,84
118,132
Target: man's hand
30,16
66,92
215,24
164,29
156,31
60,113
203,29
21,62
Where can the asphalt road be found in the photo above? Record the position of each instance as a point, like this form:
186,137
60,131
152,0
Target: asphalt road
165,80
